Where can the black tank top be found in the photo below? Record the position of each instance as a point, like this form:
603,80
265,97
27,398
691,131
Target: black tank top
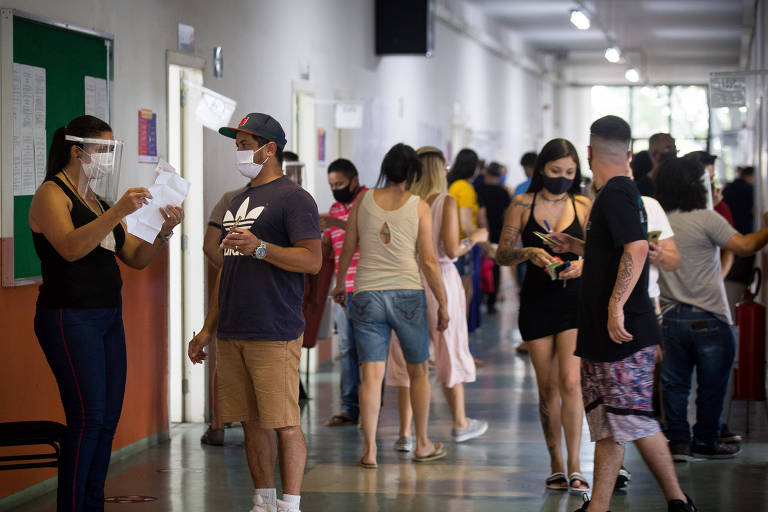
537,280
93,281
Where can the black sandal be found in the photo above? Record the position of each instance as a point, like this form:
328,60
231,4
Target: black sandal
213,437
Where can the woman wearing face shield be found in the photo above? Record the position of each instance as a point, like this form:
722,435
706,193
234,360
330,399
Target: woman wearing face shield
77,236
548,307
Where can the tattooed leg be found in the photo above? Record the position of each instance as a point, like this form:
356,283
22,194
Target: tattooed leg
546,367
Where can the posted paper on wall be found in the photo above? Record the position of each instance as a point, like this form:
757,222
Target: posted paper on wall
214,110
169,189
96,98
29,136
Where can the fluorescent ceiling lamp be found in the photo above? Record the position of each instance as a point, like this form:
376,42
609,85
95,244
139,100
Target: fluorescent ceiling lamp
613,54
632,75
579,19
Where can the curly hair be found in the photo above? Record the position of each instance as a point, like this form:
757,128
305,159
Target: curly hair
679,185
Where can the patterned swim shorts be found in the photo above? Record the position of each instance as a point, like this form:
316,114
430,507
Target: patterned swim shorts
617,397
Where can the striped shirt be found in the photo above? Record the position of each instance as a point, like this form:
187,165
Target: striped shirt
339,211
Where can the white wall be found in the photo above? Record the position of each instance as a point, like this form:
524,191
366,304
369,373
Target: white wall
143,29
415,100
408,99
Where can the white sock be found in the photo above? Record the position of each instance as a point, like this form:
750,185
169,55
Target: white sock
268,496
292,500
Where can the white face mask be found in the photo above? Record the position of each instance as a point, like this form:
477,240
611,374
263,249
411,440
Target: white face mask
100,165
245,163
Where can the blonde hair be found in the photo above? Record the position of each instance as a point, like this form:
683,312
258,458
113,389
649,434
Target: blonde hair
433,176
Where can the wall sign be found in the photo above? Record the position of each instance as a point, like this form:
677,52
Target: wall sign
147,136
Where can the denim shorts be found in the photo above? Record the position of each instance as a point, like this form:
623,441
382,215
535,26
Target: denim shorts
375,314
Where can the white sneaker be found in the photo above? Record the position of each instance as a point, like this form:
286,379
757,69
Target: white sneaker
475,428
403,444
283,506
260,506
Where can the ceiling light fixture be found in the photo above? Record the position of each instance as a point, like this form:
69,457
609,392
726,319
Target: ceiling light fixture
632,75
579,19
613,54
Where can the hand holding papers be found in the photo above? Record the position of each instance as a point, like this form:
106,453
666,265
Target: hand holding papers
169,189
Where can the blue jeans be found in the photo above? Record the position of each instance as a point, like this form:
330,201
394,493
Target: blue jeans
375,314
350,367
695,338
85,349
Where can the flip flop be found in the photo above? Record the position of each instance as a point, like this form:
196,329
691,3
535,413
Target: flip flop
438,453
554,480
340,420
365,465
577,477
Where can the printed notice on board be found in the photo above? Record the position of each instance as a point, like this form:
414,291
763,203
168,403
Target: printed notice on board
147,136
96,98
29,141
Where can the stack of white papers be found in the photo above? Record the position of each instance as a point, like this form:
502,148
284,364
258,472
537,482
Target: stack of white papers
169,189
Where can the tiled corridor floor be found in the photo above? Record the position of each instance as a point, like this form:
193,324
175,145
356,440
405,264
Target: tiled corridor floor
503,470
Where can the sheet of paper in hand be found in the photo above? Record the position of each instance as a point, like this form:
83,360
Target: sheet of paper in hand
169,189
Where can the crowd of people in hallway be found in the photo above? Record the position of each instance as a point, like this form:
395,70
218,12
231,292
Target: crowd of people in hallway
627,286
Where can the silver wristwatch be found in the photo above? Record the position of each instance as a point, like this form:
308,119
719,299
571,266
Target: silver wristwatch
261,251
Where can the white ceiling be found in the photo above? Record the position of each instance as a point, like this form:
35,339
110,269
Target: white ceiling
654,32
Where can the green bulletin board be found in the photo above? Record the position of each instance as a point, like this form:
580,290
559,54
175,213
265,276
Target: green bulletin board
68,55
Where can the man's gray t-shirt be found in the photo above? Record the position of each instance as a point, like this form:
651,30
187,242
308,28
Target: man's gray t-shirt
217,214
699,235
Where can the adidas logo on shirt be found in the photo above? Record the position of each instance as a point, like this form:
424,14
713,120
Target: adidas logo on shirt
247,219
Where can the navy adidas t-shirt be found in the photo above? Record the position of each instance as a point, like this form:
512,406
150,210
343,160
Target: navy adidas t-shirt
257,300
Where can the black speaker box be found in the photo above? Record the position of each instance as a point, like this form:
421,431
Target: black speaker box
404,27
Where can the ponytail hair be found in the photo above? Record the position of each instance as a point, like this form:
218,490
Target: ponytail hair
59,154
401,164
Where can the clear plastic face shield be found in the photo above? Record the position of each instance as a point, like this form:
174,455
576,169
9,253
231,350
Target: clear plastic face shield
295,172
100,161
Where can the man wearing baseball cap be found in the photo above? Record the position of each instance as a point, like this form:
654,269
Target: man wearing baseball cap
270,238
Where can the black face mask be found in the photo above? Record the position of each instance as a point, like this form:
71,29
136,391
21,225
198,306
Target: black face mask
556,186
344,195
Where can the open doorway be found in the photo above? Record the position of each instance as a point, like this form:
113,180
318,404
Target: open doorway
305,136
186,383
305,143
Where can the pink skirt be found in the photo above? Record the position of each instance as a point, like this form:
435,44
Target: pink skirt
453,362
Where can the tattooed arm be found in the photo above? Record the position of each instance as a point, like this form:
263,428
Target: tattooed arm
509,253
630,268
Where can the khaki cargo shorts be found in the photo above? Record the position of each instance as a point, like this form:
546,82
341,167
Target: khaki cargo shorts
259,381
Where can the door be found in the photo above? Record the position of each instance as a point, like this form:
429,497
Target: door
186,383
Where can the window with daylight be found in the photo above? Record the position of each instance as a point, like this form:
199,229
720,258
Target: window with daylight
681,110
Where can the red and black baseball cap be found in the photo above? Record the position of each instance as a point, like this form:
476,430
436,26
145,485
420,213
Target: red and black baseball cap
261,125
